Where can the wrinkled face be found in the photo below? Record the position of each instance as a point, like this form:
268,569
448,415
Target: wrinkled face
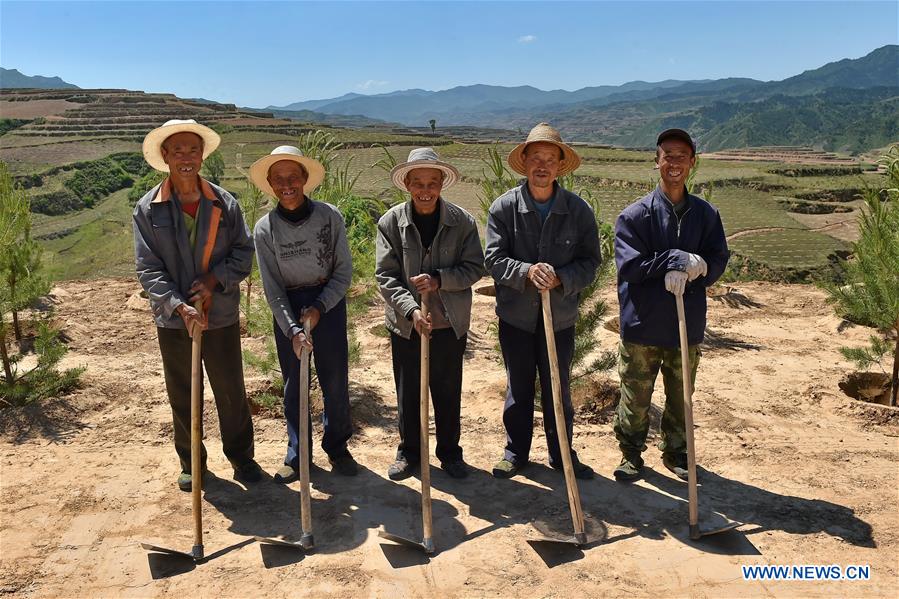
424,184
183,153
287,179
542,161
675,159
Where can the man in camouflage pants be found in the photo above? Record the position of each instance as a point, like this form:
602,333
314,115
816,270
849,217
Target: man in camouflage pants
667,243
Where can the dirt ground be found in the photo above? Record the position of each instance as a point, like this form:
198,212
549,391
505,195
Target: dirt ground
811,473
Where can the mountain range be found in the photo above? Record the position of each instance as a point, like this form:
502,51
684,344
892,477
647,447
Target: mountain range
12,78
849,105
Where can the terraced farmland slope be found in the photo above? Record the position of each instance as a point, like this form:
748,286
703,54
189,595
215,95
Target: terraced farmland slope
791,209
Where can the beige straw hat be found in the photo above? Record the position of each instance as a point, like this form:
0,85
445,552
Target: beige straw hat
423,158
548,133
259,169
154,139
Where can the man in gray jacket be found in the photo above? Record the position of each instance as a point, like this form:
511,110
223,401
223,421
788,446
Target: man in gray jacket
428,248
539,236
192,249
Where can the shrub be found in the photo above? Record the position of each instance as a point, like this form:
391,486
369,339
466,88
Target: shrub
97,179
56,203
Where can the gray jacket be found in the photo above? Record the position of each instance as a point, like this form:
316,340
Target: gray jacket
516,239
455,254
167,265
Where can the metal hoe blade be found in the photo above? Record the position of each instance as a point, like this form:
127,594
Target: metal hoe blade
426,545
304,544
714,524
578,540
196,555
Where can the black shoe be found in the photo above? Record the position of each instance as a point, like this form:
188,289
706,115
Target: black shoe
581,470
344,465
285,474
248,472
455,468
630,469
677,463
400,469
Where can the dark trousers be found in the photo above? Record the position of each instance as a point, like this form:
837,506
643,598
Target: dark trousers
525,355
224,366
331,355
445,382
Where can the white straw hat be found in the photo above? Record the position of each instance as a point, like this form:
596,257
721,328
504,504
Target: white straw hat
154,139
423,158
259,169
548,133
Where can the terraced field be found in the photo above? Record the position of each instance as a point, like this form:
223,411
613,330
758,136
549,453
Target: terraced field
752,190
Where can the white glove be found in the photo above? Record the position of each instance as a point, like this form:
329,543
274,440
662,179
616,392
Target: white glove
676,281
696,267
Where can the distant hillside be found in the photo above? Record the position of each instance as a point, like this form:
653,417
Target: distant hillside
11,78
847,105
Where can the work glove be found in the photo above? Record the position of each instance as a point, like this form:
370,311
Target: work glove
676,281
696,267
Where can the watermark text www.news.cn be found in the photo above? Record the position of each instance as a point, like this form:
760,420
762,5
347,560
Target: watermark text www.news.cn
807,572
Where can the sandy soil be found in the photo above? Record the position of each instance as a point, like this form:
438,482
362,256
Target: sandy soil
811,473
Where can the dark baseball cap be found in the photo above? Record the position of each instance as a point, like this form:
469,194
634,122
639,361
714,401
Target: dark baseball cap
676,134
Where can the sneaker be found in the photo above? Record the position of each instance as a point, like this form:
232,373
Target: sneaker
630,469
285,474
344,465
185,481
506,469
581,470
400,469
677,463
248,472
455,468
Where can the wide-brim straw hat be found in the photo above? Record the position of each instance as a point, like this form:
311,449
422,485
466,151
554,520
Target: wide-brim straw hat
548,133
314,170
424,158
153,141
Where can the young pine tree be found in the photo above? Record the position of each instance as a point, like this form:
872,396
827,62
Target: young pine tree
871,293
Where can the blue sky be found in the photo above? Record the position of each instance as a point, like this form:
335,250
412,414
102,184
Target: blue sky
262,53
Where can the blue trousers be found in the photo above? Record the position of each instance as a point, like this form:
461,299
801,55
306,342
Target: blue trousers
525,355
331,355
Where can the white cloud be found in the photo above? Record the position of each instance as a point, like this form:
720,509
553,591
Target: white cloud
371,84
527,39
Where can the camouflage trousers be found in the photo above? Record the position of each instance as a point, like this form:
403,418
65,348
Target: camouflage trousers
638,367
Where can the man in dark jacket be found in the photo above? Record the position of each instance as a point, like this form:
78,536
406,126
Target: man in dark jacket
192,249
540,236
667,243
427,249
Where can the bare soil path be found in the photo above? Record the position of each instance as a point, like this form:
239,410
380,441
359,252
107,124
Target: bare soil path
811,473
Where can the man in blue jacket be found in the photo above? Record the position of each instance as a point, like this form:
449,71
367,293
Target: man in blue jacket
667,243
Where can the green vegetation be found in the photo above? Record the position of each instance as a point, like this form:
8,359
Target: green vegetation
23,284
7,125
97,179
214,168
871,295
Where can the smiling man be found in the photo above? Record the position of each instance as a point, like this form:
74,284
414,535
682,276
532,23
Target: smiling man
306,269
539,236
192,250
427,248
667,243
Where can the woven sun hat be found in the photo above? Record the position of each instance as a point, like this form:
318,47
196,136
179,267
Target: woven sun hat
259,169
423,158
548,133
154,139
